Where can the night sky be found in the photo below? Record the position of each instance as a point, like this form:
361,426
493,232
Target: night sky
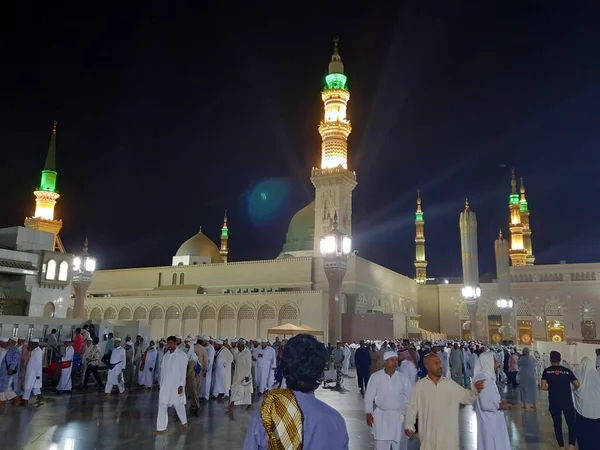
168,116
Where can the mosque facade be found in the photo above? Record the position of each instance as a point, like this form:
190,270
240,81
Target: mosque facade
203,292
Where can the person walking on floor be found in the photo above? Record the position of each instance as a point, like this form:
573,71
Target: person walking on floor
362,359
587,406
557,380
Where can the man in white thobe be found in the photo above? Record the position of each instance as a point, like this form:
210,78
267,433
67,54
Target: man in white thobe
115,369
222,370
386,398
435,402
266,362
139,355
172,386
444,357
160,353
33,375
254,349
346,362
206,382
149,366
65,373
241,387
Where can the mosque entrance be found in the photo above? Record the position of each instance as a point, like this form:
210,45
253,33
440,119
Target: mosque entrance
525,331
556,330
494,324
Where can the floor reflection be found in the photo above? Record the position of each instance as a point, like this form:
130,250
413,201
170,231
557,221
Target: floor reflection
81,422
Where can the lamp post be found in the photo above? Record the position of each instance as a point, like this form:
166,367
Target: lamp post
335,248
83,270
470,263
504,302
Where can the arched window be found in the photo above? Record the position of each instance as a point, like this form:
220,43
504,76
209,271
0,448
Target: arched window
174,280
63,271
181,278
51,270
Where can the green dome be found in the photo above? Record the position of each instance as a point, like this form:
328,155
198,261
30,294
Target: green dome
301,232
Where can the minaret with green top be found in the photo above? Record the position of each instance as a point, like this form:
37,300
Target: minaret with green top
420,261
224,250
524,209
333,181
517,252
46,197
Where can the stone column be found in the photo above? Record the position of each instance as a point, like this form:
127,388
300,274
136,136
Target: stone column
80,288
335,270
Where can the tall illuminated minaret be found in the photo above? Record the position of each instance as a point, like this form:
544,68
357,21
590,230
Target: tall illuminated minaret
518,253
470,264
504,297
524,208
420,261
224,250
46,196
333,181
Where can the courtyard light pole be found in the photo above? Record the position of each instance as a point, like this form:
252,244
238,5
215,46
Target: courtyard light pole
335,249
504,301
84,267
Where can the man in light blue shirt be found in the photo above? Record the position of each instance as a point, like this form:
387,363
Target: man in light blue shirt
322,427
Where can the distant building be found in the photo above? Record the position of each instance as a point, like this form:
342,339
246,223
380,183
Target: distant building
34,279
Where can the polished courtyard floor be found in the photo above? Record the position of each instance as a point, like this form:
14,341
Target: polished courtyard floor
84,421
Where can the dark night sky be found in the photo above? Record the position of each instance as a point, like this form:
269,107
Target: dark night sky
168,115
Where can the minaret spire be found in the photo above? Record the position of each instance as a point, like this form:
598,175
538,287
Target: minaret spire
224,239
471,292
46,197
332,180
524,209
518,253
420,261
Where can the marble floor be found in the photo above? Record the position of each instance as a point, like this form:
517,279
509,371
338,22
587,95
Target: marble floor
84,421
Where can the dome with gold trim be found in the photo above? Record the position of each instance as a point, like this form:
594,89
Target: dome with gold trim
301,231
200,245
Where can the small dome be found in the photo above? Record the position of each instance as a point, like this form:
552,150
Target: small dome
301,231
200,245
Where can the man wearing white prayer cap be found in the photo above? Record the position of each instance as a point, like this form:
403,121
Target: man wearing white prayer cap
33,374
266,363
65,382
386,400
206,382
221,382
116,367
234,350
179,341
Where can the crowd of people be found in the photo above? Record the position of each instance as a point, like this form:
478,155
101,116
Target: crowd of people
408,386
412,380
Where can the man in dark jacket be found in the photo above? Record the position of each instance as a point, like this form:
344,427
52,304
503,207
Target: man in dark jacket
362,359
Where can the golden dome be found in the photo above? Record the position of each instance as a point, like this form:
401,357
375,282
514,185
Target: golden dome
200,245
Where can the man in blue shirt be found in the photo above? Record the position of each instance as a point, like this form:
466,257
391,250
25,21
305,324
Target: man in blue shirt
293,417
362,360
557,380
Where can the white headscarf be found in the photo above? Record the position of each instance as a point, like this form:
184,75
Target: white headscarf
485,364
587,397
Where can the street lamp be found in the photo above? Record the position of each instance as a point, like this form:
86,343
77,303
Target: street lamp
336,248
504,303
84,267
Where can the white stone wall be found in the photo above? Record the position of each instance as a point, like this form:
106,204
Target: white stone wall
229,315
213,278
